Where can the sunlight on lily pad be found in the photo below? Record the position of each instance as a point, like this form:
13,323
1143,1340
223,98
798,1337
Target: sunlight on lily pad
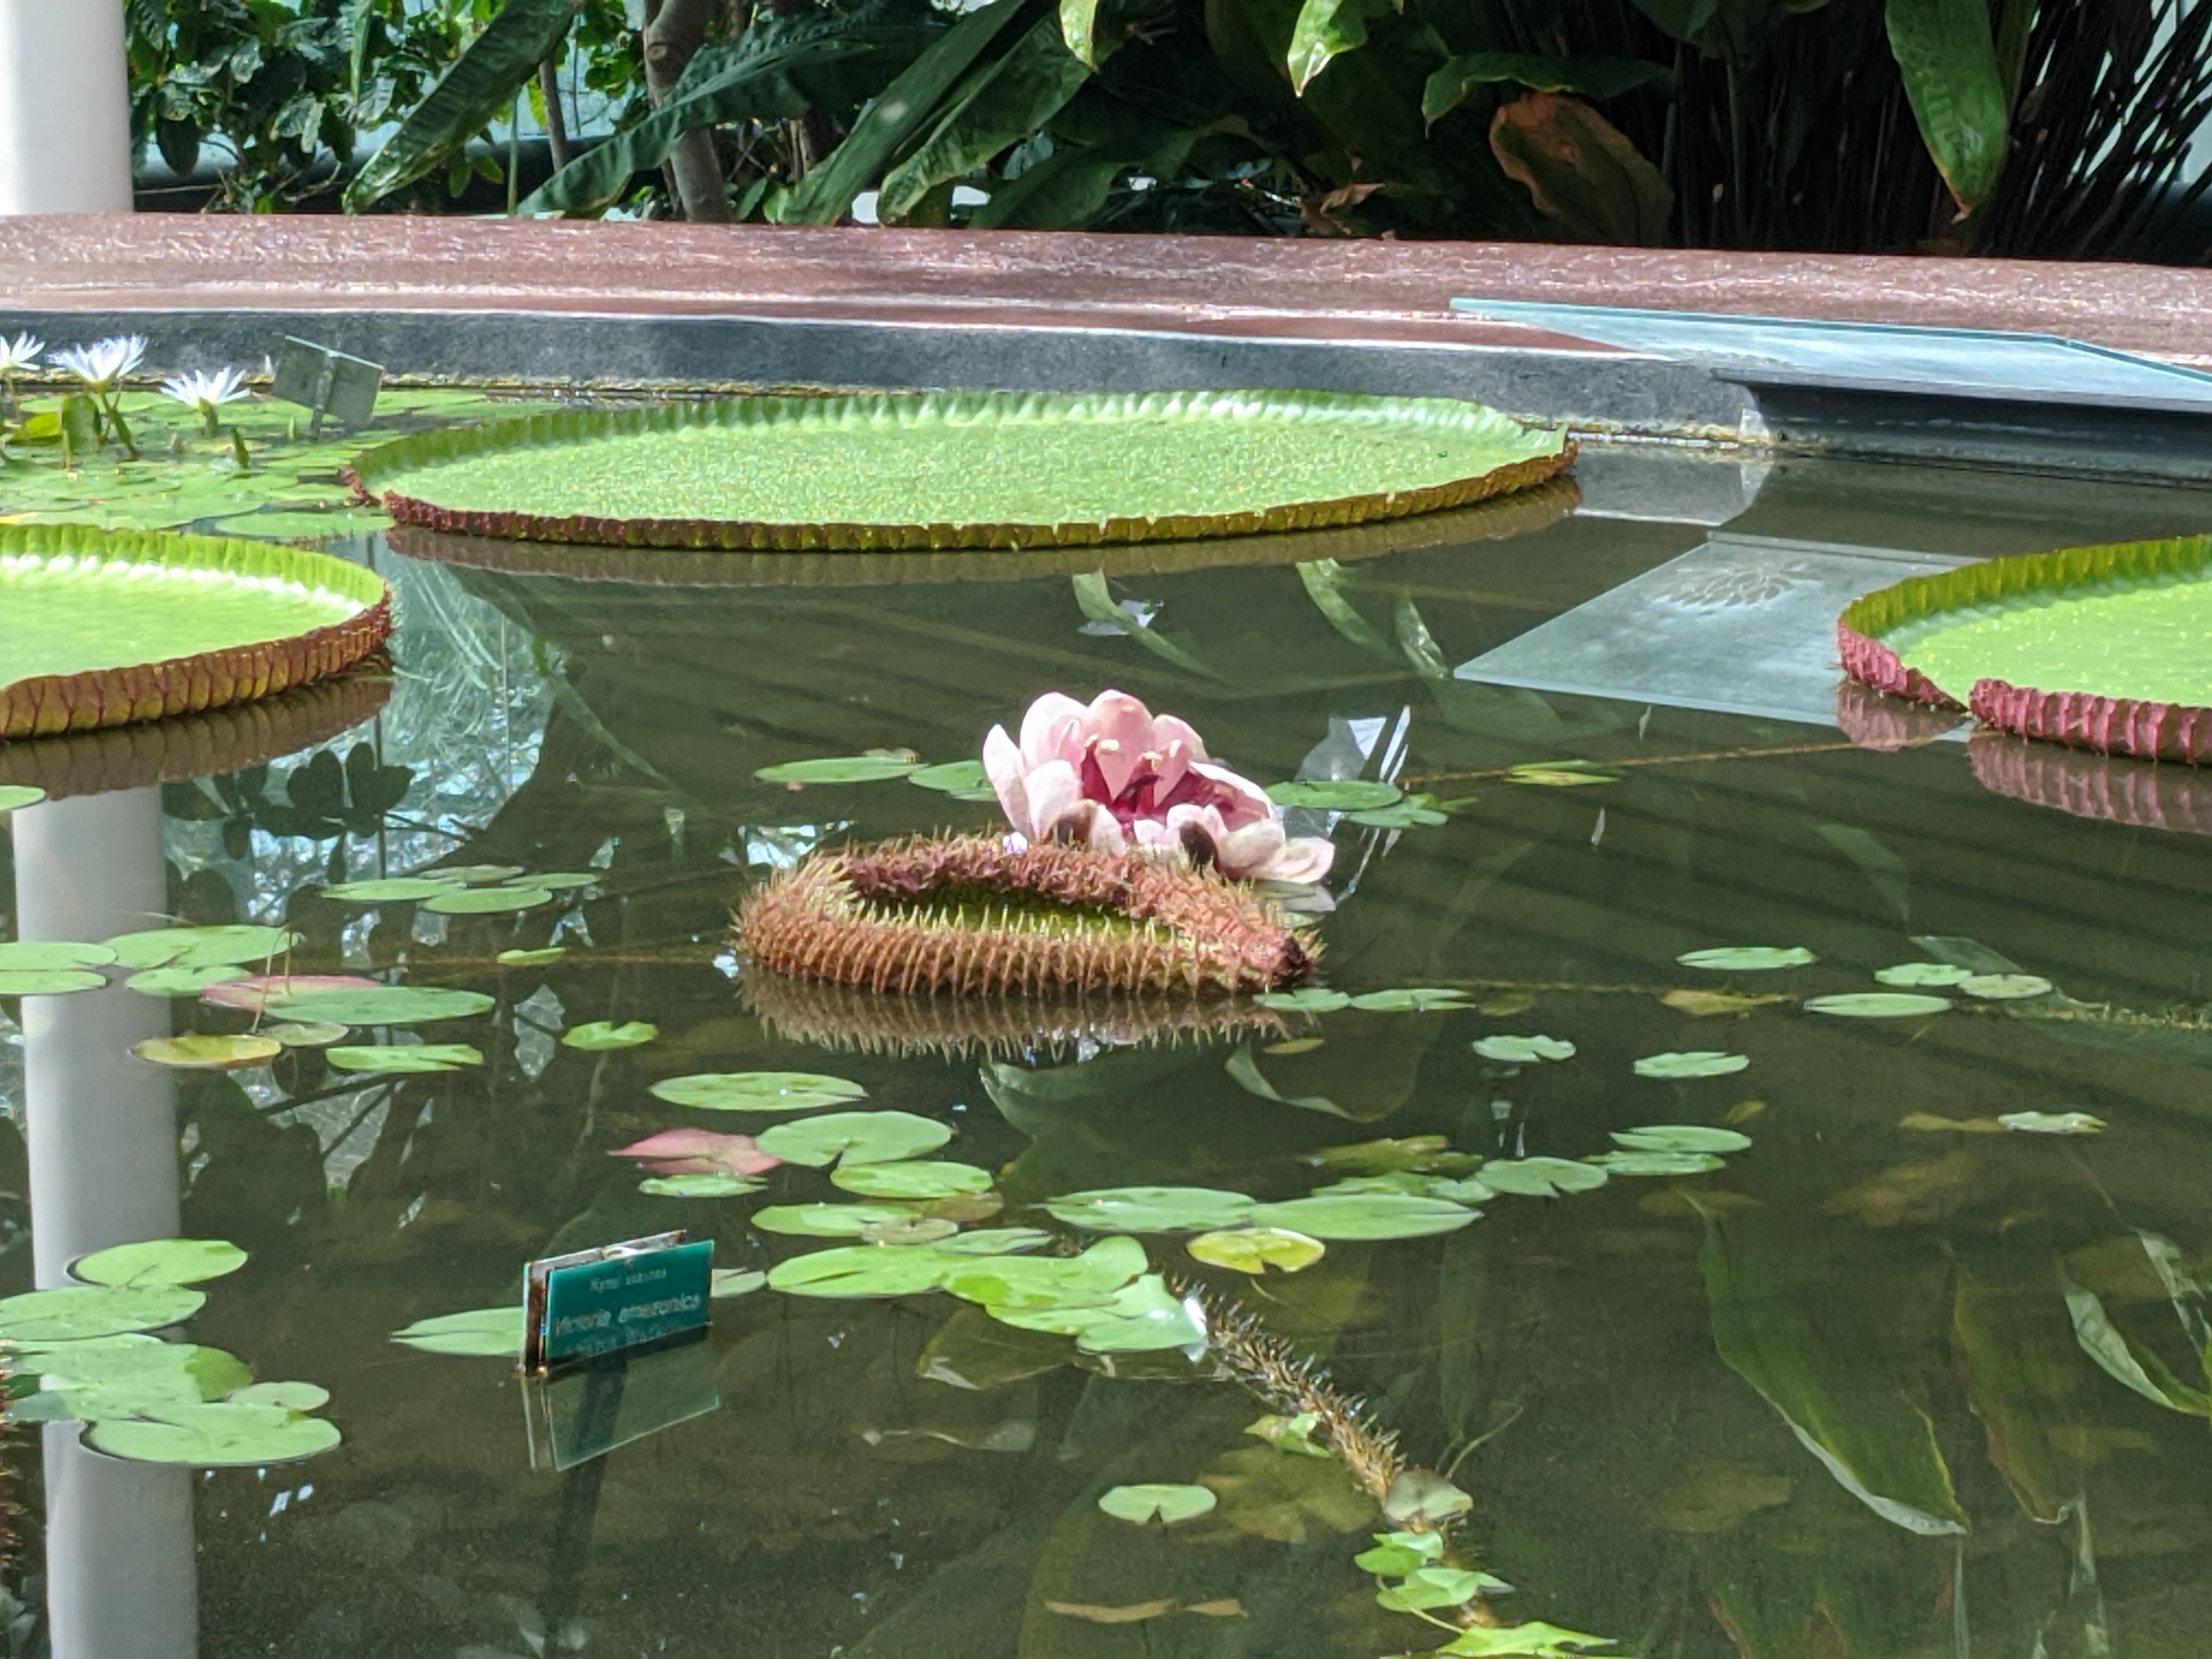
1877,1004
853,1137
1150,1209
825,1220
1524,1050
306,1034
13,795
214,1434
536,958
1540,1177
698,1184
484,1331
408,1058
599,1035
1691,1062
381,1004
1397,1554
1922,973
757,1092
82,1310
199,1052
48,981
1748,958
1534,1640
1418,999
1365,1216
288,1396
1151,1501
2052,1123
736,1281
1255,1250
1306,1000
860,1270
1293,1434
2004,987
1427,1588
935,1178
1334,795
841,768
1681,1138
160,1262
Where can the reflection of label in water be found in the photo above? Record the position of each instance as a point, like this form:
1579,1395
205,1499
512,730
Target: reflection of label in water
589,1409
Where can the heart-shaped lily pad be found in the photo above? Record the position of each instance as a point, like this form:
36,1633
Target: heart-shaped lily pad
1524,1050
757,1092
601,1036
160,1262
200,1052
82,1310
1877,1004
854,1138
1540,1177
1255,1250
860,1270
1365,1216
487,901
1679,1137
106,628
214,1434
932,1178
399,1059
1152,1209
1146,1503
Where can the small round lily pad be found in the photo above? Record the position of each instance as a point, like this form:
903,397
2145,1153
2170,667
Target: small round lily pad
603,1035
199,1051
1691,1062
1922,973
1877,1004
757,1092
1748,958
397,1059
1255,1250
160,1262
2004,987
1524,1050
1144,1503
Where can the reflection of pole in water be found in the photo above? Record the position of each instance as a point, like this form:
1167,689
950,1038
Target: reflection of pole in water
103,1157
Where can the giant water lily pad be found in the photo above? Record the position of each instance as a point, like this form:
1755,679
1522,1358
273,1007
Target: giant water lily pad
969,469
2098,647
101,629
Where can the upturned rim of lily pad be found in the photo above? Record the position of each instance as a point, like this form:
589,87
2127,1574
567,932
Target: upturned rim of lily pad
381,474
104,693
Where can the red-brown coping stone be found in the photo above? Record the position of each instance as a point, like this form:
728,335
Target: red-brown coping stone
1379,291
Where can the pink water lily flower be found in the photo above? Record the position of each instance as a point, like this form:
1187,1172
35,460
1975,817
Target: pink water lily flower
698,1152
1113,775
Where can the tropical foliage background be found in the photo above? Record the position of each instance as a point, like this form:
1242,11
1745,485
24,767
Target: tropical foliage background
2056,127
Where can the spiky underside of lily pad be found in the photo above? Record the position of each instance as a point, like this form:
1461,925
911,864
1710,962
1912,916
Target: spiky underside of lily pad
967,915
200,746
108,693
1494,519
824,1014
2081,718
1493,454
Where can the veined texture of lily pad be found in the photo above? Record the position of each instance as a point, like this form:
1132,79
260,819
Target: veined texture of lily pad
968,469
757,1092
105,628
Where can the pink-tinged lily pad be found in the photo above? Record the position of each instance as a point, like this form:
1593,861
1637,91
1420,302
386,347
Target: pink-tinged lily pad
698,1152
256,991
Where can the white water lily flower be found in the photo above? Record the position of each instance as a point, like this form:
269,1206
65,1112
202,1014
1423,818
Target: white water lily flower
19,353
205,393
103,363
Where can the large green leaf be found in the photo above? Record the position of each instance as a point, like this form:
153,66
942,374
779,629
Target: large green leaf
781,68
886,127
997,106
1581,171
1327,29
480,84
1592,78
1948,60
1068,189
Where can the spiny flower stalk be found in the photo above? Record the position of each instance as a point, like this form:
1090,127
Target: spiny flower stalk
970,914
205,394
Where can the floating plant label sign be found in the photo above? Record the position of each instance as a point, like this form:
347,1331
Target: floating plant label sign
590,1409
622,1296
328,382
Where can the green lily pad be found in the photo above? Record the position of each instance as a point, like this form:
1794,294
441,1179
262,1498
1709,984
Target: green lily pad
1419,1496
160,1262
1877,1004
13,795
1414,812
484,1331
757,1092
22,956
952,777
936,1178
392,1059
201,947
487,901
1334,795
381,1004
1691,1062
698,1184
1655,1163
48,981
391,890
536,958
1294,1435
1534,1640
736,1281
2005,987
1397,1554
1365,1216
122,1375
1524,1050
474,875
854,1138
1007,1284
826,1220
285,1397
1426,1588
861,1270
1679,1138
2052,1123
200,1052
184,982
1306,1000
1142,1504
82,1310
1748,958
306,1034
1145,1317
840,768
1540,1177
601,1035
1418,999
1558,775
562,881
1150,1209
997,1241
217,1434
1255,1250
1923,972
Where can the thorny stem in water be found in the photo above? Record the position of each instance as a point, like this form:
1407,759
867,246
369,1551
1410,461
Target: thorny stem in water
1493,773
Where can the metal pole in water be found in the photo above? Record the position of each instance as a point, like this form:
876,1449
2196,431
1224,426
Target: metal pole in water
64,107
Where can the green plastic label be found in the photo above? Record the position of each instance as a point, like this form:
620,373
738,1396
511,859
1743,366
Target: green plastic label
626,1300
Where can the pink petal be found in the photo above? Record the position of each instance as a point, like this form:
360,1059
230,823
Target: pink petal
256,992
1167,732
1305,858
1118,732
1103,833
1250,850
1052,730
1241,800
1002,763
1054,793
700,1151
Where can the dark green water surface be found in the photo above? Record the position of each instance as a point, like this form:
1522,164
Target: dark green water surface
1828,1400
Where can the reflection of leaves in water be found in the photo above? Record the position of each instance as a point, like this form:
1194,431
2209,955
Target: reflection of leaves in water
1265,1494
1884,870
1097,601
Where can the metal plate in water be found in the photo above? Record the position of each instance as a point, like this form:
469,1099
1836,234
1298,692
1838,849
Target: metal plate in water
1740,625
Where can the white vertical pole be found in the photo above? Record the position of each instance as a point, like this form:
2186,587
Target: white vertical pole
102,1132
64,107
